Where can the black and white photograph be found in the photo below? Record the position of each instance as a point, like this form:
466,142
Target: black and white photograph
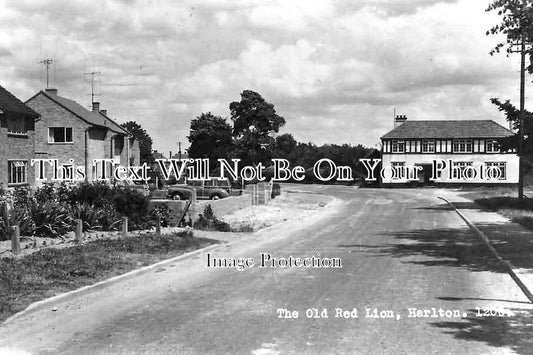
266,177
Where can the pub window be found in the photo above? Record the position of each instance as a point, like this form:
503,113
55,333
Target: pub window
398,169
16,170
460,171
398,146
428,146
60,135
492,146
497,170
462,146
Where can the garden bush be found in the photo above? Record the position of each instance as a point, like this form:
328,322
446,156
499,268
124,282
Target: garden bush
208,221
103,217
51,210
50,219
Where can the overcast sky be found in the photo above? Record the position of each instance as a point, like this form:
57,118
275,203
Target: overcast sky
334,69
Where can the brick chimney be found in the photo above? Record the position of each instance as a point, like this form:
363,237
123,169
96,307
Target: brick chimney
104,112
51,91
96,106
399,119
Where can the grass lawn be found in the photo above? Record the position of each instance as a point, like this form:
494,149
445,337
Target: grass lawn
504,200
52,271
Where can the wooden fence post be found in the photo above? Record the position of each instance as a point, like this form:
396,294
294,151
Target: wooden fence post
15,240
5,217
124,226
79,230
158,226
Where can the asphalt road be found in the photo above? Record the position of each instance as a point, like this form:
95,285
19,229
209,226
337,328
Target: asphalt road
399,249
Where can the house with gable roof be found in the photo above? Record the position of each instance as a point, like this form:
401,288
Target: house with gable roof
17,130
453,151
75,136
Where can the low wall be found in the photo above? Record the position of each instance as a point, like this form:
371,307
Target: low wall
225,206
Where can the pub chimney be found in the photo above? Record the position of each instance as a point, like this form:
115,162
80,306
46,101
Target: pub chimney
399,119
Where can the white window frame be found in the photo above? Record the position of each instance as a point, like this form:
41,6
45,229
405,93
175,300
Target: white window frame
494,146
19,176
428,146
396,165
462,165
398,146
50,141
500,165
462,146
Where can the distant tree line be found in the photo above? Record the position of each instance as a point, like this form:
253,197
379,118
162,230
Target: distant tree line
252,136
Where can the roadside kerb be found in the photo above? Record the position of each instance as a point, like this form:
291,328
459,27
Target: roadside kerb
493,251
105,283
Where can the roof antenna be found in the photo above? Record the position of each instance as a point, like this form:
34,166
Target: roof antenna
394,118
47,63
93,94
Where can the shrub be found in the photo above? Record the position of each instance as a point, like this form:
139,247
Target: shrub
208,221
163,212
132,204
92,193
22,197
95,218
50,219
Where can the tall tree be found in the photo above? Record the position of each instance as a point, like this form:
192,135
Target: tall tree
254,121
210,137
284,146
144,139
517,26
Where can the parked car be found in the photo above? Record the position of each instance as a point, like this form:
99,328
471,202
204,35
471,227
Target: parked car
212,189
140,186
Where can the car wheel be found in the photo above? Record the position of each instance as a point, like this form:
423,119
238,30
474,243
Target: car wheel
176,197
215,197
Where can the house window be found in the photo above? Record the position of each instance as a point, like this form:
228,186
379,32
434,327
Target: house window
398,146
398,170
60,135
496,170
461,170
16,170
428,146
492,146
17,126
462,146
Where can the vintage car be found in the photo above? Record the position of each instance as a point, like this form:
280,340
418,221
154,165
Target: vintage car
212,189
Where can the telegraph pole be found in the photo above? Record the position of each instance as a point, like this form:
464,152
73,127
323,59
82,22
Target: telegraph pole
521,119
92,74
47,63
521,115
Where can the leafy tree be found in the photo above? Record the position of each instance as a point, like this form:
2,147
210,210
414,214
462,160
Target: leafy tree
512,114
284,146
144,139
516,25
254,120
210,137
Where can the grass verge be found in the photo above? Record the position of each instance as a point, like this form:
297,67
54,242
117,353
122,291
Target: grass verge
504,201
53,271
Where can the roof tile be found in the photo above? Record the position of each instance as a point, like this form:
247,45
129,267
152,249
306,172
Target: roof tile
448,129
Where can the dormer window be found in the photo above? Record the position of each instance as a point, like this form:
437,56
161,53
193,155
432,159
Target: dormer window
492,146
462,146
428,146
17,126
398,146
